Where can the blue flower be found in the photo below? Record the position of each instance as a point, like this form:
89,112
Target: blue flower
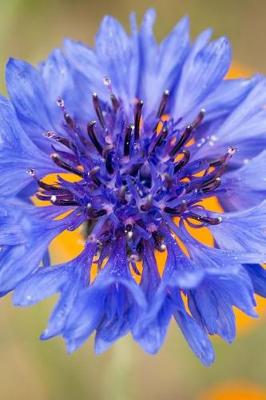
150,132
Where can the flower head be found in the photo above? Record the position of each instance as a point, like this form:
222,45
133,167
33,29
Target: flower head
128,141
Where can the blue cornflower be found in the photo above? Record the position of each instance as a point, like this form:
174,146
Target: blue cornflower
150,132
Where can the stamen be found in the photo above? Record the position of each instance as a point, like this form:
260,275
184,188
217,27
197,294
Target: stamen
178,210
59,139
109,162
128,137
58,161
163,103
159,241
183,162
183,139
98,109
98,213
207,220
138,110
70,122
59,202
92,135
160,139
199,118
47,187
115,102
187,132
210,184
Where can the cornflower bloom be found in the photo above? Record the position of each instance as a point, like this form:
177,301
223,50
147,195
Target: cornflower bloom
128,141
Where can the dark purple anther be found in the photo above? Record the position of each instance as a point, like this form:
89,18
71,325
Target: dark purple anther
138,110
163,103
183,162
92,135
115,102
205,220
186,134
182,140
69,120
98,109
109,162
128,137
58,161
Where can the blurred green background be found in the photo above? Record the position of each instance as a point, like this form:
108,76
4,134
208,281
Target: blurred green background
30,369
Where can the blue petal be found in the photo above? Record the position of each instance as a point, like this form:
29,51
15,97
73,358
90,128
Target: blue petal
172,53
201,74
41,284
243,230
227,96
26,89
78,276
114,299
22,259
211,303
209,309
17,153
170,56
258,277
151,327
244,128
150,332
195,335
147,55
114,52
84,317
244,187
84,63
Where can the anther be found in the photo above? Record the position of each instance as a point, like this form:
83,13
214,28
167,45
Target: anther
98,109
211,184
183,162
159,241
49,188
206,220
115,102
162,136
163,103
69,120
92,135
138,110
199,118
58,161
127,141
187,132
183,139
177,210
59,139
109,162
98,213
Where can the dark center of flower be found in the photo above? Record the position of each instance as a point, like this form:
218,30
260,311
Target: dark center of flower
134,173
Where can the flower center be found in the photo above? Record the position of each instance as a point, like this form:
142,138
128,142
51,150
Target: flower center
134,172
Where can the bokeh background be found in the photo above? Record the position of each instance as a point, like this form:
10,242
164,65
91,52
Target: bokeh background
29,369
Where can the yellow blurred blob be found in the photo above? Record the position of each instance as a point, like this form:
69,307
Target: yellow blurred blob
235,391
